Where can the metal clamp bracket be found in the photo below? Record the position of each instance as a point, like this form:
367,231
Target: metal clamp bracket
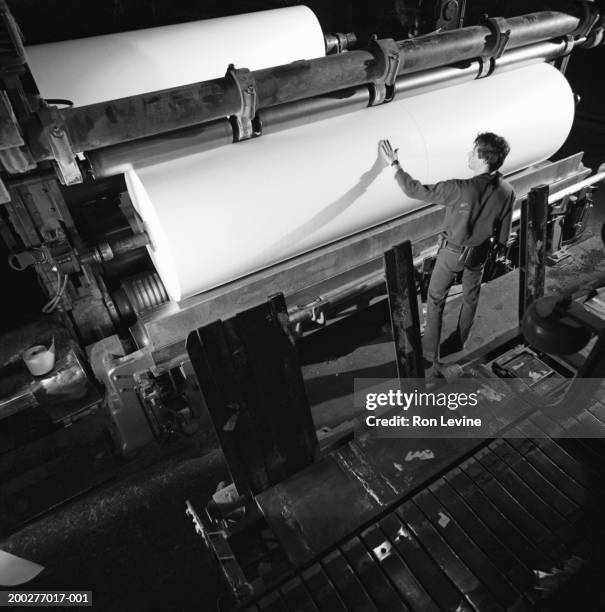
243,121
501,38
57,138
563,60
383,89
593,31
339,42
570,43
591,23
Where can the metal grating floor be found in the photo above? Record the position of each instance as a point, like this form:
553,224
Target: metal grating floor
494,533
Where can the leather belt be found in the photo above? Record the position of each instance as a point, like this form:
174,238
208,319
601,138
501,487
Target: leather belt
444,243
453,247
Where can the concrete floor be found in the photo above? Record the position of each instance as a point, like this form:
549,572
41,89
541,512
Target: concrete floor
130,541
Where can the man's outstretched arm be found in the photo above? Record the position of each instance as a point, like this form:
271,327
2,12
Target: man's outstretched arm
444,192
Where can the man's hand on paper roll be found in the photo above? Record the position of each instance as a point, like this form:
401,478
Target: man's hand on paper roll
388,153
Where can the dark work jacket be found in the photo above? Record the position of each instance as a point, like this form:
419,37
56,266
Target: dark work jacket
476,208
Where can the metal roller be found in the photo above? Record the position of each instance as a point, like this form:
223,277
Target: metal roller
109,161
138,294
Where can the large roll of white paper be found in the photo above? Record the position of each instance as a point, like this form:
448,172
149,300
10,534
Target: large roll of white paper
101,68
219,215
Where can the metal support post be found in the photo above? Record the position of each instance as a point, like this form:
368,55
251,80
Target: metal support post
248,371
403,306
532,253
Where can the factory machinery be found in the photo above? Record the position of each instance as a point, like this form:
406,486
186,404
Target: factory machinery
125,373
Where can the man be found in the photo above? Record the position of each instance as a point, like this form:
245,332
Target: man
477,209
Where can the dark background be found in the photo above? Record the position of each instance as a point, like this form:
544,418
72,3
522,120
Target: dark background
51,20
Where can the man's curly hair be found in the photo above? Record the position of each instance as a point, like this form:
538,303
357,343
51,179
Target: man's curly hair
492,148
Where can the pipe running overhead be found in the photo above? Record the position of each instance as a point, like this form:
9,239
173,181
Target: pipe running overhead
108,123
117,159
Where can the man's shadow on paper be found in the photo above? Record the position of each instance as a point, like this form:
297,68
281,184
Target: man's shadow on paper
330,212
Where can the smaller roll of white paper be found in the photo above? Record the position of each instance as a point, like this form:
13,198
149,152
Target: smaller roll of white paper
15,570
39,359
101,68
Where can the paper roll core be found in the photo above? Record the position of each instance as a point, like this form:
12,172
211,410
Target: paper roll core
39,359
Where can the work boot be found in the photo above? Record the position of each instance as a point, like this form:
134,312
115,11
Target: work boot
431,368
451,371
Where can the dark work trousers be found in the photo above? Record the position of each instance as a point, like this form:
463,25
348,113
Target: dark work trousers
448,264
